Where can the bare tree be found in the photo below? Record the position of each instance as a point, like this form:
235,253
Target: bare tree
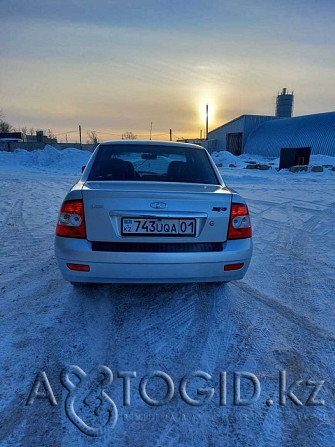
4,126
129,136
31,131
92,137
50,134
24,132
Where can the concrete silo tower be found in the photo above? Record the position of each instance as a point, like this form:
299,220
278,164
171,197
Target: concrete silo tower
284,104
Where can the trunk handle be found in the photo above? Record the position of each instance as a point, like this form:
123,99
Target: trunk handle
158,214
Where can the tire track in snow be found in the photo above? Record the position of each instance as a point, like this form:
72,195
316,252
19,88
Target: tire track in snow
178,322
197,337
26,247
291,246
283,310
14,220
234,323
17,242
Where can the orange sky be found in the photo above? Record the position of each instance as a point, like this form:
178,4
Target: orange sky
116,67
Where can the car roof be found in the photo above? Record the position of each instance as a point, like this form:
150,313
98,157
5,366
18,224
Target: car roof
151,143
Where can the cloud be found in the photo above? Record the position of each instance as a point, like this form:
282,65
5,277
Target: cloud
121,65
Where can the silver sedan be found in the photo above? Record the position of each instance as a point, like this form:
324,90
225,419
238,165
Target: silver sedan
152,212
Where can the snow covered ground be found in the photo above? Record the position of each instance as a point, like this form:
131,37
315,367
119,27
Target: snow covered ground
280,317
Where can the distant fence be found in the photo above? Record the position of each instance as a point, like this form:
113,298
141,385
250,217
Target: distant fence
11,146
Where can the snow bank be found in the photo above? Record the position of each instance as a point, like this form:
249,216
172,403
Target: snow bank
68,160
320,160
226,158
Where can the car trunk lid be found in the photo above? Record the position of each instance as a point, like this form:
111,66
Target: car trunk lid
107,203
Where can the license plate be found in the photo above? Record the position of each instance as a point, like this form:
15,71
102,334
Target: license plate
158,227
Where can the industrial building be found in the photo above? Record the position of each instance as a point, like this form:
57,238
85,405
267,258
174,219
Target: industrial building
40,138
315,131
267,135
233,135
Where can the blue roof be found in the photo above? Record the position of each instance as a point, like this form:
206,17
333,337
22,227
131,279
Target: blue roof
315,131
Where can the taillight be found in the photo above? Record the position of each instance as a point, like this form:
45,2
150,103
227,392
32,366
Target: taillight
239,223
71,222
78,267
229,267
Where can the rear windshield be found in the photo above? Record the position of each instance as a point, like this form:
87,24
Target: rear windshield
152,164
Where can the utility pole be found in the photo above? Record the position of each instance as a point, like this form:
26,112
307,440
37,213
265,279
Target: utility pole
80,136
170,134
66,137
206,121
150,129
200,134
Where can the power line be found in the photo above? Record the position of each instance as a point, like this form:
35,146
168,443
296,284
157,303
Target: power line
178,138
63,133
113,134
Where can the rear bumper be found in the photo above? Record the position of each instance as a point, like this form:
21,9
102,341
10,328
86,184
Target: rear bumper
110,267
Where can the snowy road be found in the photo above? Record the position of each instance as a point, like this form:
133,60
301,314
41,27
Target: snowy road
280,317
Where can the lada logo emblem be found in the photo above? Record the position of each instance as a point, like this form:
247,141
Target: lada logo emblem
158,205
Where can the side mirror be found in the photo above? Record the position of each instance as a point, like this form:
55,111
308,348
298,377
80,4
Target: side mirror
83,168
